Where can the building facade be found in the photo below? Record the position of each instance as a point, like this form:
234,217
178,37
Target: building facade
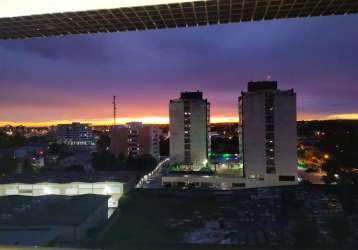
268,137
189,129
135,139
77,135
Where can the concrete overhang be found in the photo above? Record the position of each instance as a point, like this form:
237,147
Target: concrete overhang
44,18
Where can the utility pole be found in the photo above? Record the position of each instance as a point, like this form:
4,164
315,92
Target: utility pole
114,111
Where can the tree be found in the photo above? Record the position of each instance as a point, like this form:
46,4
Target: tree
26,167
59,149
142,163
225,145
75,168
103,143
7,141
146,163
104,161
8,165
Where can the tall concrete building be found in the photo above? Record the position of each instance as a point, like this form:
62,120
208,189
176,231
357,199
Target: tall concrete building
268,137
189,126
135,139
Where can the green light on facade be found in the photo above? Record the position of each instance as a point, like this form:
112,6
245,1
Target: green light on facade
301,165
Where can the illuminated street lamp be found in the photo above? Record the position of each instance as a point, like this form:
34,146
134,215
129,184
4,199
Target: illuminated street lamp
326,156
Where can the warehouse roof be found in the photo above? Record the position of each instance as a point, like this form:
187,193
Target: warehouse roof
67,177
50,210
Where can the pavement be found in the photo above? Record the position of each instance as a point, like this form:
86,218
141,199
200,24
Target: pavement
313,177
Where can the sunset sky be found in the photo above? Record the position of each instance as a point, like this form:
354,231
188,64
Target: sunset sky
62,79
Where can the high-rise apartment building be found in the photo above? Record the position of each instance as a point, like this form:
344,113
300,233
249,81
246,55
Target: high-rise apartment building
77,135
135,139
189,126
268,136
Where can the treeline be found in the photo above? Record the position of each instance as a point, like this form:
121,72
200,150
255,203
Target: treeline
106,161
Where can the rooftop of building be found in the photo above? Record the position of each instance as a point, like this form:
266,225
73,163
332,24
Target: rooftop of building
261,85
28,237
68,177
48,210
197,95
74,124
264,86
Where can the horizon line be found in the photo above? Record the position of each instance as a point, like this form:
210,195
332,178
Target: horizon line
160,120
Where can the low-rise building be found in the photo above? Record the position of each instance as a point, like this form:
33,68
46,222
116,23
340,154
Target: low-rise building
48,220
113,184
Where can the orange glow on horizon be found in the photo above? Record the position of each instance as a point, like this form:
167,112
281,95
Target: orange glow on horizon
164,120
109,122
351,116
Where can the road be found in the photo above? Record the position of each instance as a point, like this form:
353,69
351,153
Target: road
313,177
154,179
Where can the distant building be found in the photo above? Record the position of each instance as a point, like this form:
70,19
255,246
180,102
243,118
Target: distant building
120,140
189,129
268,136
135,139
50,220
77,136
21,130
9,130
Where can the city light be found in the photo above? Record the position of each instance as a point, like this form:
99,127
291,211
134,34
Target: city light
326,156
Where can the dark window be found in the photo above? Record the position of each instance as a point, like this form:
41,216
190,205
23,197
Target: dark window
270,154
269,119
286,178
270,161
269,127
186,107
269,136
271,170
236,185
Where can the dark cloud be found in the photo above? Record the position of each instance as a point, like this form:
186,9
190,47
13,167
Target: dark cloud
76,48
316,56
